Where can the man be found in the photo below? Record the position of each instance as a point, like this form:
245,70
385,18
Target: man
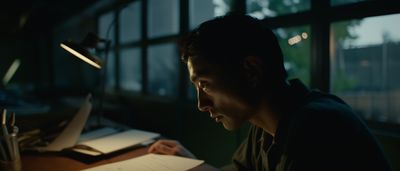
236,65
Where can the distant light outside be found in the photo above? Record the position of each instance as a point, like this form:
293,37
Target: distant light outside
271,8
295,45
365,64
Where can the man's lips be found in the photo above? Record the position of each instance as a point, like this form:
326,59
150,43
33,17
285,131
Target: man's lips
216,117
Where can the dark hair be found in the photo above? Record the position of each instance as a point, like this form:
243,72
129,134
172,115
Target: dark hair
230,38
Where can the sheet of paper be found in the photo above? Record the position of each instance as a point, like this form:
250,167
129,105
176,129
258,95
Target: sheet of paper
69,136
119,141
151,162
97,133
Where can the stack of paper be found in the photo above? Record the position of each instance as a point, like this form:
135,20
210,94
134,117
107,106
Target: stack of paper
151,162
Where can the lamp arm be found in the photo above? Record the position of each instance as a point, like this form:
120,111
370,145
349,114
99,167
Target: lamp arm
103,83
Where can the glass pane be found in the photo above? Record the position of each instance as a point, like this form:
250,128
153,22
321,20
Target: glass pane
107,27
203,10
131,69
272,8
130,23
342,2
163,65
364,66
163,17
295,43
110,80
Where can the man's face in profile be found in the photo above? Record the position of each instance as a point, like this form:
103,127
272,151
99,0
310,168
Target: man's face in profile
220,93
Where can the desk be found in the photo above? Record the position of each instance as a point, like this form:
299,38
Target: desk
48,162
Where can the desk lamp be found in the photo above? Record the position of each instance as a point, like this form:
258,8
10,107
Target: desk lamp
81,51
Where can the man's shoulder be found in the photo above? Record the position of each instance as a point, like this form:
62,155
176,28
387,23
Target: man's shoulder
327,111
323,103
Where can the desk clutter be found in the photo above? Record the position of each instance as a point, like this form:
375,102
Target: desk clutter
69,137
9,148
94,143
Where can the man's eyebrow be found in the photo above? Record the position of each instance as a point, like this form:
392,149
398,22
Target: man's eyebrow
199,73
193,78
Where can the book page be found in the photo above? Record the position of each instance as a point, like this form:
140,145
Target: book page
119,141
69,136
151,162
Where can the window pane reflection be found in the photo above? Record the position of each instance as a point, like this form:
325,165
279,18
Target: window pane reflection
163,17
130,27
110,78
106,27
131,71
272,8
364,66
163,69
295,43
203,10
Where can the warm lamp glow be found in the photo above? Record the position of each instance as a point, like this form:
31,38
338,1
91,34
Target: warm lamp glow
81,56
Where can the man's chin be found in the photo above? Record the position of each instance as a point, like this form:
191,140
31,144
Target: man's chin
229,127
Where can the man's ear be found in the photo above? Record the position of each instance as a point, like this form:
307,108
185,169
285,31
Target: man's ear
253,68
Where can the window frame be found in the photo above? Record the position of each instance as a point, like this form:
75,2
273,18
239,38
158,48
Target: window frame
320,16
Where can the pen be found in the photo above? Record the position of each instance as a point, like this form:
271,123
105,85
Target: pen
13,137
12,121
6,137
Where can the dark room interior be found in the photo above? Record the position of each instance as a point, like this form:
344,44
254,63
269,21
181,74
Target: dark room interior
350,48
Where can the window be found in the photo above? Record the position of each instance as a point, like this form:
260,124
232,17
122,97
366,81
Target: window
272,8
130,23
131,73
163,69
130,61
295,44
204,10
110,70
364,65
342,2
107,27
163,17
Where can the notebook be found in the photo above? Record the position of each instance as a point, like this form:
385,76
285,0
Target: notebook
108,140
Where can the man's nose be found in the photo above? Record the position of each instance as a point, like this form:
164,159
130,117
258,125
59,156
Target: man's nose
204,102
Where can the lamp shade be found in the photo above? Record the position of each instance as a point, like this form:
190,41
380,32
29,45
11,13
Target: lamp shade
82,53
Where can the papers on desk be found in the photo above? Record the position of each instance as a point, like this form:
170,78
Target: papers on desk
72,131
98,142
151,162
115,141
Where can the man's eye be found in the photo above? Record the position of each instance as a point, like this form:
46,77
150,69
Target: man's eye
204,86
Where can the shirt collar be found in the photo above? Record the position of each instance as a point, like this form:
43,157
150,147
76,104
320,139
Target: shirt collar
297,93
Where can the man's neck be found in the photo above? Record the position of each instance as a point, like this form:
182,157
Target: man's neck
266,119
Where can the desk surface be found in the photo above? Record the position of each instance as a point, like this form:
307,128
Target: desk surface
48,162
